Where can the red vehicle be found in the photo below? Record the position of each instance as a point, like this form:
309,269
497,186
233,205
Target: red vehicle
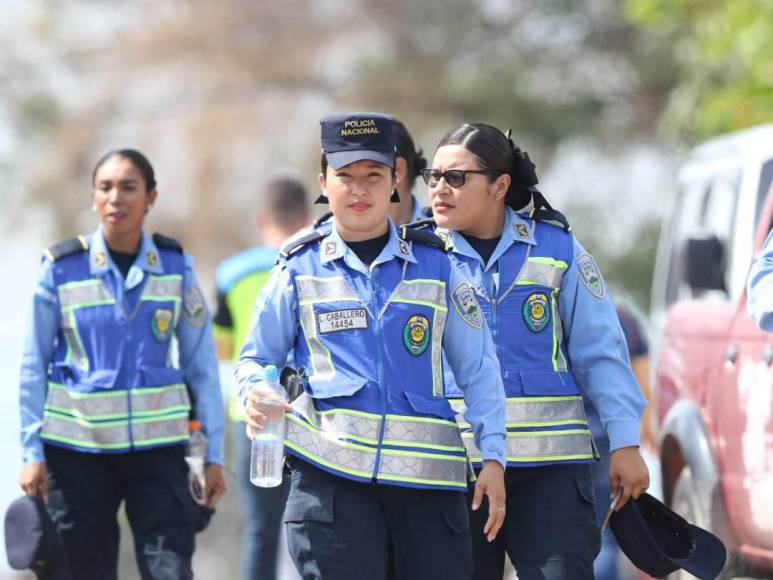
714,370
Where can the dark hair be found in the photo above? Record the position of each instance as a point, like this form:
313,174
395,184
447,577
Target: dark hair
407,150
138,160
286,201
497,153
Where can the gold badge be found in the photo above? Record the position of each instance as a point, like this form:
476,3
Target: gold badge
152,259
100,259
522,230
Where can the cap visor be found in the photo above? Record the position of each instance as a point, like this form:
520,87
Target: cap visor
343,158
708,557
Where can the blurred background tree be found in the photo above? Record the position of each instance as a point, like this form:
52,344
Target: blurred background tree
723,51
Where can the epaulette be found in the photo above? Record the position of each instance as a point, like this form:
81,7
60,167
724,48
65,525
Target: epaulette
66,248
551,215
167,243
413,233
296,243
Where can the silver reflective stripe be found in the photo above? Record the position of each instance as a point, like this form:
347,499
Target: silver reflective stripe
156,400
533,446
431,293
169,287
534,411
75,351
542,271
315,289
93,406
86,293
157,431
81,433
321,436
321,360
326,450
559,360
423,469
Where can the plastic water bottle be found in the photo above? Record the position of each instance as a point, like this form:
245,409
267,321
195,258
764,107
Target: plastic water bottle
195,457
267,458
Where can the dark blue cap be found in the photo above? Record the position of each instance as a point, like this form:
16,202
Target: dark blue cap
659,541
32,540
350,137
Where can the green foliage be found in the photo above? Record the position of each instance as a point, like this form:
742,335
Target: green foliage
723,49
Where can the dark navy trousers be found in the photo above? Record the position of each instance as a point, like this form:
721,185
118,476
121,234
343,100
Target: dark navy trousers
550,530
86,491
338,529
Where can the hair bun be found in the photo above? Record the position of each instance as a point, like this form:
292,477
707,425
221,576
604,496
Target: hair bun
420,162
524,170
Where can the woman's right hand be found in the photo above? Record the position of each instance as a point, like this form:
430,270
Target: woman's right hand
258,405
34,479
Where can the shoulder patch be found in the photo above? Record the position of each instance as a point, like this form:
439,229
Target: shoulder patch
194,308
297,242
421,236
66,248
167,243
466,304
590,275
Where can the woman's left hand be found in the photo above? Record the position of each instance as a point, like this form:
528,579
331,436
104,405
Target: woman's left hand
491,482
215,484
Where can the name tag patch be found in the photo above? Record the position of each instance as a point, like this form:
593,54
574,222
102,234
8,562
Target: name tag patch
335,320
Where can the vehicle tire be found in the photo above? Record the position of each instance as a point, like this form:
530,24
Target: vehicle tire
687,503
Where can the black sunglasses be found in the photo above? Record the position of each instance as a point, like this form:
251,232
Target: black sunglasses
453,177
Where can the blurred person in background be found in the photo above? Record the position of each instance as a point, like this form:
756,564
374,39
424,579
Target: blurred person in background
557,336
104,411
408,163
378,466
239,279
760,287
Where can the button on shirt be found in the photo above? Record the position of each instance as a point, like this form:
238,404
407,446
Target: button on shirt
469,350
595,342
198,360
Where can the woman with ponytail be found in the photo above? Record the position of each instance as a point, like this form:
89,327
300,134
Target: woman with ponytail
557,337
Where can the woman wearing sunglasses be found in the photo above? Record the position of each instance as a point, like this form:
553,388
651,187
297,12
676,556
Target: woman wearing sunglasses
379,472
557,337
104,406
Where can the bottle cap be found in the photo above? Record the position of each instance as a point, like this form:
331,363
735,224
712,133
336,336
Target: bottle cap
271,373
194,425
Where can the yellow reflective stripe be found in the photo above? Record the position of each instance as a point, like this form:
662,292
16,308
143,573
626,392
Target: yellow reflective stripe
420,303
91,424
546,423
69,411
79,443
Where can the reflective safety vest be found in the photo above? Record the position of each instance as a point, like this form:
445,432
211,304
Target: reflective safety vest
374,410
544,414
111,386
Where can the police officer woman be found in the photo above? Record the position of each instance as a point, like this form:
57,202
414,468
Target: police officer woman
557,336
378,464
104,411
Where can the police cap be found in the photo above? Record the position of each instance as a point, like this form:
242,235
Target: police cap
350,137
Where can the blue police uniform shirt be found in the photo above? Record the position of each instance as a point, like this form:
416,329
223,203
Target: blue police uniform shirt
760,287
595,343
470,352
197,357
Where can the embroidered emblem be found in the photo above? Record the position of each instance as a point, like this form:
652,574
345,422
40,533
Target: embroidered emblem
416,333
152,259
336,320
330,248
161,324
536,311
589,274
100,259
466,305
404,250
523,230
194,309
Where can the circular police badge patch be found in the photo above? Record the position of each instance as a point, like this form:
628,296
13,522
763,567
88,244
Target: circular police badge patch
416,334
161,324
536,311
